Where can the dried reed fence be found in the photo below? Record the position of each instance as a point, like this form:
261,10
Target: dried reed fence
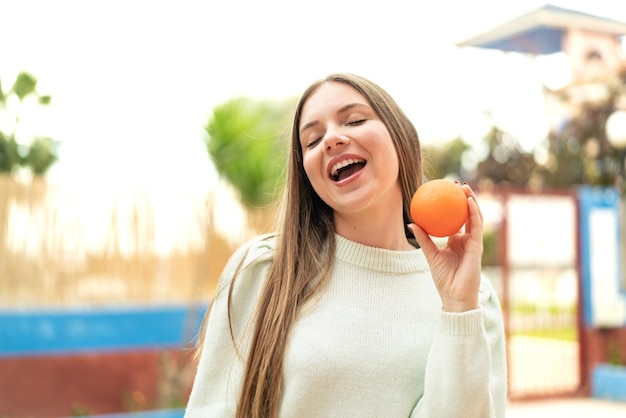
69,247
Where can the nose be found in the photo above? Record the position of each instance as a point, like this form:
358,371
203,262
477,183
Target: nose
335,138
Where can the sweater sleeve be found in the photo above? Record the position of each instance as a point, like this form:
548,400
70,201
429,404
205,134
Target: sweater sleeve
466,368
216,386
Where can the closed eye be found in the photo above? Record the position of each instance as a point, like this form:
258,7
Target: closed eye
314,142
356,122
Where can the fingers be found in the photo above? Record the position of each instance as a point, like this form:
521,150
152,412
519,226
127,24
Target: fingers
474,224
470,194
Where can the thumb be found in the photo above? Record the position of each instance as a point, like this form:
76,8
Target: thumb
423,239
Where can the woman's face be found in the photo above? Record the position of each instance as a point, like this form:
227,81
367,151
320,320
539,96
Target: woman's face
348,154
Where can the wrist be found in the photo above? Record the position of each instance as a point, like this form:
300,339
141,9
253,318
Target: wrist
457,306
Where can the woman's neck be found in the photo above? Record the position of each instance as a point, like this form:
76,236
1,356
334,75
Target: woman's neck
379,231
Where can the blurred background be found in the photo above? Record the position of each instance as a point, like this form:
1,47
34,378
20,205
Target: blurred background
141,143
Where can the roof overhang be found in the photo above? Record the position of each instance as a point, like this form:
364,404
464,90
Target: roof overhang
541,31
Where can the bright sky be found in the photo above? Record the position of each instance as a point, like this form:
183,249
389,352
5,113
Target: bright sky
133,82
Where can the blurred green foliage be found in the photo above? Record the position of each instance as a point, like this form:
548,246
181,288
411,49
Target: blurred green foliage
39,153
247,142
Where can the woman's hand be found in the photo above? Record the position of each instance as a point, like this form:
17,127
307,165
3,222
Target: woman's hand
456,268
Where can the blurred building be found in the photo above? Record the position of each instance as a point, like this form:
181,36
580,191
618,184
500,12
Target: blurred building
593,44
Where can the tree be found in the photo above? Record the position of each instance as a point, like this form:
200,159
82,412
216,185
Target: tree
506,164
35,154
41,152
444,160
579,151
247,142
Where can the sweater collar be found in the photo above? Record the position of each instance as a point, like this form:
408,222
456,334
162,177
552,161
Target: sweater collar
380,259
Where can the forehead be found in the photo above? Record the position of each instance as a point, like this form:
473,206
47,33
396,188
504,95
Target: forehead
330,97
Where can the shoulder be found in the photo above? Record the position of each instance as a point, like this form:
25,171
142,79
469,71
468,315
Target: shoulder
250,262
259,249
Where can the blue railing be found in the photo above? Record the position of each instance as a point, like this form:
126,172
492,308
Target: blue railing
164,413
48,332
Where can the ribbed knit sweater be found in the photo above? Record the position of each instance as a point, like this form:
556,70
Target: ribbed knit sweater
375,344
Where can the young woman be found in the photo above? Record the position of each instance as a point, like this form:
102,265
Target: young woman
342,313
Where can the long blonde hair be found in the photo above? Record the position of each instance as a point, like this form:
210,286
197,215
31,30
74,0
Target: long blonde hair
305,247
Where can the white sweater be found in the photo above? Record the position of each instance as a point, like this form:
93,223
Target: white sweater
376,344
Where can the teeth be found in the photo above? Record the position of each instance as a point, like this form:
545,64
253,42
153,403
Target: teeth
335,170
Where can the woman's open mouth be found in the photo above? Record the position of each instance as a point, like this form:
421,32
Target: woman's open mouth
344,169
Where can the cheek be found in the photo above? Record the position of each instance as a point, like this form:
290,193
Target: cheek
393,167
391,157
311,167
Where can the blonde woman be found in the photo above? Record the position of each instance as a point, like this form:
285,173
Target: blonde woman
351,310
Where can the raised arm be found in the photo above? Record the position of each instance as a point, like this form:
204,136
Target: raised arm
466,368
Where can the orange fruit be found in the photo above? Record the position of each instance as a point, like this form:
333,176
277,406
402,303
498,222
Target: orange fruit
439,207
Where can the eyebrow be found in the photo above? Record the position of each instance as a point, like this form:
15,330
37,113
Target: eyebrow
342,109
